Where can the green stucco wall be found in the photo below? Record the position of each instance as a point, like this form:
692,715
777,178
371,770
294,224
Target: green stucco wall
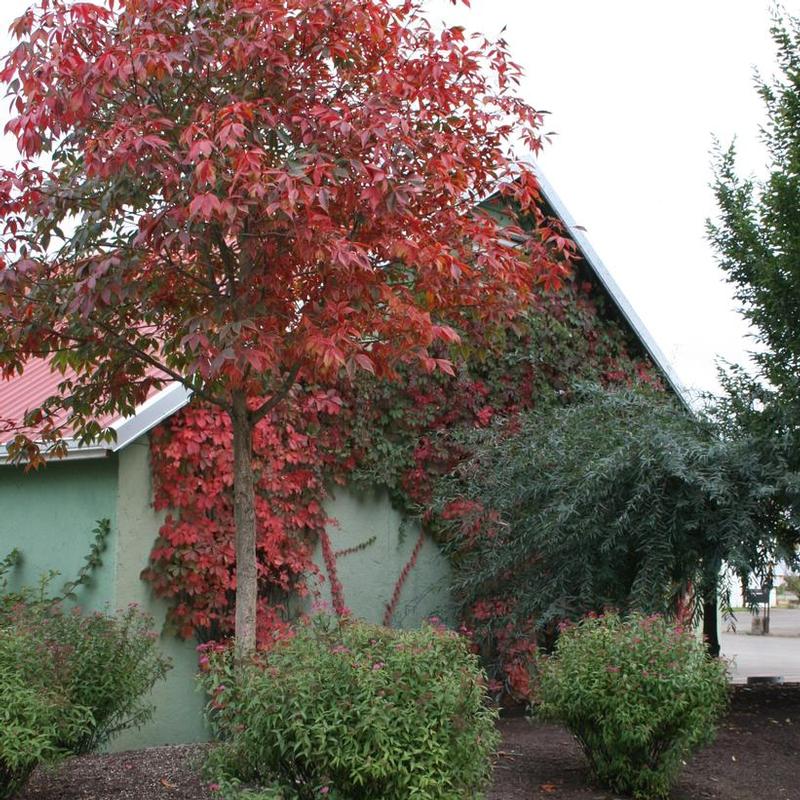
179,706
48,515
369,576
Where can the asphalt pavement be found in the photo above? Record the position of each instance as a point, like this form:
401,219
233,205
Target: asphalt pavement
755,655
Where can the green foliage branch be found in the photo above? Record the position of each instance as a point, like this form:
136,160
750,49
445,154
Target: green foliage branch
13,559
353,711
757,241
91,562
638,694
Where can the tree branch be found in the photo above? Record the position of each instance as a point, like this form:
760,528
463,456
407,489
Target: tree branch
268,405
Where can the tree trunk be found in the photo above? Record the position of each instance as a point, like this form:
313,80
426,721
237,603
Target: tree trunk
710,626
245,520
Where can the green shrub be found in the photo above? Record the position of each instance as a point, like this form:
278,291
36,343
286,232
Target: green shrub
35,714
638,695
354,712
68,682
106,663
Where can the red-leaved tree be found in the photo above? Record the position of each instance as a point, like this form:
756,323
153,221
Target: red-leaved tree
243,194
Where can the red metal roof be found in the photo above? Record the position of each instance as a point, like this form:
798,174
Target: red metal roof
25,392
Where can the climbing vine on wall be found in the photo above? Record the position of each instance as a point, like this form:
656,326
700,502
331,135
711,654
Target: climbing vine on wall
192,563
374,433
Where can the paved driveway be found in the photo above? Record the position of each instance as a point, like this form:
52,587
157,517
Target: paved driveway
778,653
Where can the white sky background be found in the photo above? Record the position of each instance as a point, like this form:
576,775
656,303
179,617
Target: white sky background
636,89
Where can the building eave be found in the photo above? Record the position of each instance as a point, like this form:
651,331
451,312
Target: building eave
149,414
595,263
152,412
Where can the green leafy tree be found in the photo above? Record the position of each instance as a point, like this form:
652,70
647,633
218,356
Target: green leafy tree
621,499
757,241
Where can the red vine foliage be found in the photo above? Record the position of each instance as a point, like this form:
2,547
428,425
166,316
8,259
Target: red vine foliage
391,606
376,434
193,563
337,590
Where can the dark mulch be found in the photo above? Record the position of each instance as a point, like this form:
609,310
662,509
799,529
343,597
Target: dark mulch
756,756
156,773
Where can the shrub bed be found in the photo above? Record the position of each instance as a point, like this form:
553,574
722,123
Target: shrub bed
354,711
35,713
108,664
69,682
638,694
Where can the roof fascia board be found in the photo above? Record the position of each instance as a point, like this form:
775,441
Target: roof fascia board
150,413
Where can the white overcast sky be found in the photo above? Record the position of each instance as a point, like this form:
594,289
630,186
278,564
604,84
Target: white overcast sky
635,91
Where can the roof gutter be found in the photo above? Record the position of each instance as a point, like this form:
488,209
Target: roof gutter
75,452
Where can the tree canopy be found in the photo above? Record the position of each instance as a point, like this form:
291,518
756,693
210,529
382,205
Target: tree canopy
619,499
757,241
244,194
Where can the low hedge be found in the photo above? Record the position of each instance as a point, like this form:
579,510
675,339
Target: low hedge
638,693
354,711
69,682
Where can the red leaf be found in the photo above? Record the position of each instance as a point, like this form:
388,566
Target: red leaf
365,362
200,148
445,366
204,205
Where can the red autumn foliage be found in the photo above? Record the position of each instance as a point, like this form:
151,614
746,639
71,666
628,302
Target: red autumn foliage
193,561
337,590
273,184
247,194
391,606
367,427
242,194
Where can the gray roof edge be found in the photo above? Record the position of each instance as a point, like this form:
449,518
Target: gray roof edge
597,266
75,452
156,409
147,415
